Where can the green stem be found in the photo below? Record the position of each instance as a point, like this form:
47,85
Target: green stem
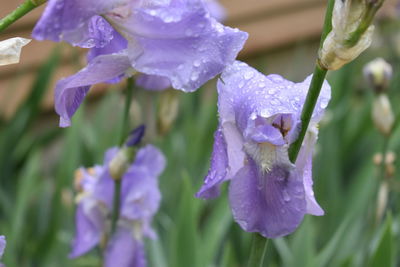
124,130
125,118
308,108
258,249
116,204
314,90
19,12
327,22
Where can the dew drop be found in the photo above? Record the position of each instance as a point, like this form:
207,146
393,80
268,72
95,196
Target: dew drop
286,196
248,75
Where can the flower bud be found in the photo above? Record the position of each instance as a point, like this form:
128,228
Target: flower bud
390,170
121,162
168,110
378,73
382,199
135,136
377,159
382,114
351,32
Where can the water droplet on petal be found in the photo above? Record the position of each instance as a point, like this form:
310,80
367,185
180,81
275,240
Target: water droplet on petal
248,75
286,196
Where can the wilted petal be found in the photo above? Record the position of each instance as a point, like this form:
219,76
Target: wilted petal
10,50
272,203
70,20
71,91
180,41
153,82
124,250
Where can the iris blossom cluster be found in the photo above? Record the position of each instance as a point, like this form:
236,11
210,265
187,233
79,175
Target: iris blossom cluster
180,43
259,119
140,198
175,39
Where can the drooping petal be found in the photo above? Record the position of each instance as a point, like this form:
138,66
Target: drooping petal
313,207
304,166
271,203
89,224
124,250
10,50
217,173
70,20
70,91
2,244
180,41
153,82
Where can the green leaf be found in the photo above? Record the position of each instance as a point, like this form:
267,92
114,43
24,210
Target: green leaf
215,229
383,255
185,242
27,189
22,119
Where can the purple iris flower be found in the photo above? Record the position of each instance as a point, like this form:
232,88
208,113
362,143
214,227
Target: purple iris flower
140,198
175,39
259,119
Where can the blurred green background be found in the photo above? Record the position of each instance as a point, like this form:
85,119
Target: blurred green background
38,161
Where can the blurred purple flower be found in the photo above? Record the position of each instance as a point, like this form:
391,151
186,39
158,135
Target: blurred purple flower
2,245
176,39
259,119
140,198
